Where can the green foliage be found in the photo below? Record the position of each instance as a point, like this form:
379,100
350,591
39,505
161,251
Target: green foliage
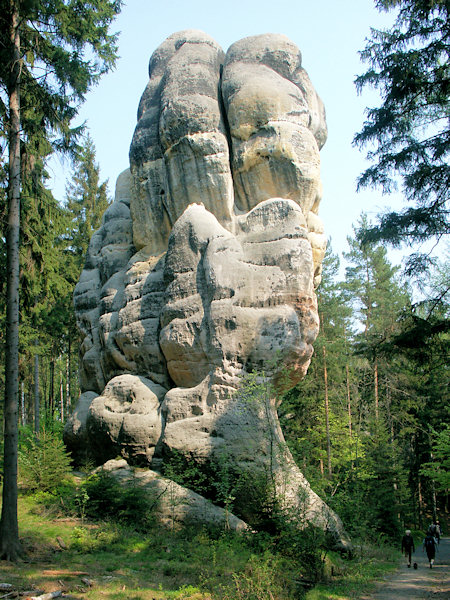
255,501
65,48
249,496
381,481
86,201
306,545
51,53
101,496
88,540
438,469
193,564
409,65
378,441
262,578
373,287
358,577
224,480
188,473
43,462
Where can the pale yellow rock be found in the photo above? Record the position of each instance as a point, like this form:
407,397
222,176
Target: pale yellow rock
203,272
275,123
126,413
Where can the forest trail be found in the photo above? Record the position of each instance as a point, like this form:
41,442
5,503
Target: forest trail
421,584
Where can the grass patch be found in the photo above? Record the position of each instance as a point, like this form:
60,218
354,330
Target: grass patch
98,560
108,560
358,576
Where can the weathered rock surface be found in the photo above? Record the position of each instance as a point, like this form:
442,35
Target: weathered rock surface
174,505
126,415
75,432
204,268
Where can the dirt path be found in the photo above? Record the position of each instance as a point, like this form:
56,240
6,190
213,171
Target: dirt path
421,584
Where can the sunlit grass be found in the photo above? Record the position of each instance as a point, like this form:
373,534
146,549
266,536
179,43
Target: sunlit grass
357,577
105,560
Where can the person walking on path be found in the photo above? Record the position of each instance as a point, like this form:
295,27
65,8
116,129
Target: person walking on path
406,584
438,532
429,545
408,545
435,530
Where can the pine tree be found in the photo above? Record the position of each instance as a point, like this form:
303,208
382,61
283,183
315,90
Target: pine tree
423,348
51,53
305,408
373,285
380,299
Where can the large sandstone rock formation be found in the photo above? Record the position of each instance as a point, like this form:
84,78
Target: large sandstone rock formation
204,270
174,505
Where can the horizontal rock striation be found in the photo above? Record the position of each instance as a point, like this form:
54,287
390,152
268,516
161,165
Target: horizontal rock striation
197,299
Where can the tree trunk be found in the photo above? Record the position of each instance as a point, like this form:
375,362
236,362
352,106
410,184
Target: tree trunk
433,496
22,404
36,394
390,423
349,402
68,381
10,547
327,410
375,383
51,400
44,382
61,399
420,503
349,410
321,467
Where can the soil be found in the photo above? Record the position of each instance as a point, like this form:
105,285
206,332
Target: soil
421,584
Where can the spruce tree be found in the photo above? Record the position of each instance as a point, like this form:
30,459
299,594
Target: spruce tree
51,53
86,201
408,134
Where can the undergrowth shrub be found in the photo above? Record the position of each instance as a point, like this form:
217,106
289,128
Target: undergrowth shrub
95,540
255,501
186,472
43,461
305,546
103,497
262,578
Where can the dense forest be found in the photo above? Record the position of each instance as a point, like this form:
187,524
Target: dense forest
369,425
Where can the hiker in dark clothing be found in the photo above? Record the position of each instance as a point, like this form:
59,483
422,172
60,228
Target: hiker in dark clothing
435,530
408,545
438,532
429,545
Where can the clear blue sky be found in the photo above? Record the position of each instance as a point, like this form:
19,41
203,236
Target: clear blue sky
329,34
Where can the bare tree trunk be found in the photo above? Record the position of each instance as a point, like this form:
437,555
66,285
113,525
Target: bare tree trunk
61,399
36,394
321,467
22,404
349,402
349,410
433,495
10,547
68,381
51,400
390,423
420,503
44,382
327,410
375,383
